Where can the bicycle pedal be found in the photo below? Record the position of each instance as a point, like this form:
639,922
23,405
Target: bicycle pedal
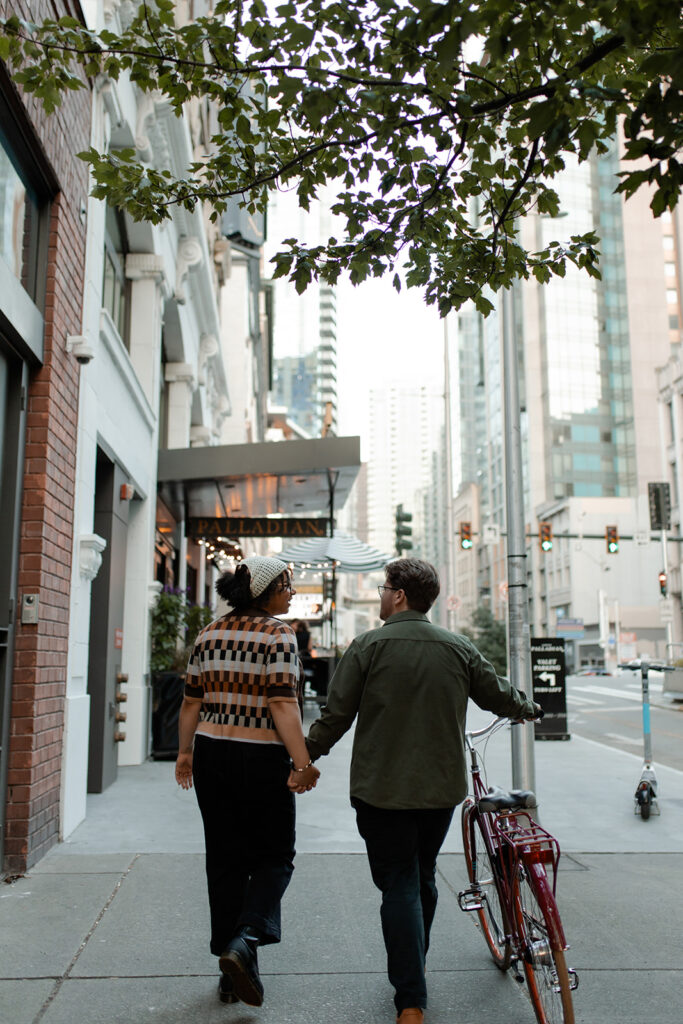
573,979
470,899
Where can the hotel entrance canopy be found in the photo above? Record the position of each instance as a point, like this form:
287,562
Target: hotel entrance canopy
283,478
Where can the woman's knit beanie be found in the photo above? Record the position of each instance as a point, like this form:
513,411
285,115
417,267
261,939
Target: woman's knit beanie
262,572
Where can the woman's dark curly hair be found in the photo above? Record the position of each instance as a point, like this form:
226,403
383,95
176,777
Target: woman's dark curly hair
234,587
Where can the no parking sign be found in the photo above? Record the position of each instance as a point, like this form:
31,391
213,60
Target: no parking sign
549,679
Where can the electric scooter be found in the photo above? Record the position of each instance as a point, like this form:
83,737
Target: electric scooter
646,790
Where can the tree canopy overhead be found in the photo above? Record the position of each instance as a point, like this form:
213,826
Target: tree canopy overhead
414,111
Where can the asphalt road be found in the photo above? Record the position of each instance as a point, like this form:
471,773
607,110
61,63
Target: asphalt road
609,709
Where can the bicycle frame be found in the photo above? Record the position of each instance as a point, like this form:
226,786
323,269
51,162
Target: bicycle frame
511,893
513,838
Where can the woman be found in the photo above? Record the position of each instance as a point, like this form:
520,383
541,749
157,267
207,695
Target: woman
241,713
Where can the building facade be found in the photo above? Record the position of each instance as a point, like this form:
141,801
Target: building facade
43,226
115,341
588,394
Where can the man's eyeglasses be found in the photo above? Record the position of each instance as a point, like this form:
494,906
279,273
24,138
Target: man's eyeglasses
383,586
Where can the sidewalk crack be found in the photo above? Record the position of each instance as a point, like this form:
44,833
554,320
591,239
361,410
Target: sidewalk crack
74,960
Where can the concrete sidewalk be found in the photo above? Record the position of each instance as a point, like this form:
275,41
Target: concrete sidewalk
112,925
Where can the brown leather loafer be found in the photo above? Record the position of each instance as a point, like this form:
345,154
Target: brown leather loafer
412,1015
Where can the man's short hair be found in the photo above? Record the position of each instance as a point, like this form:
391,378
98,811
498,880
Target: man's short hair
419,580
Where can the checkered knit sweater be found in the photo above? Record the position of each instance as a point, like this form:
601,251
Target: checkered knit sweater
240,664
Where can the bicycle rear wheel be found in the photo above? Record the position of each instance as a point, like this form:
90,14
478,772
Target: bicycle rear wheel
492,916
545,967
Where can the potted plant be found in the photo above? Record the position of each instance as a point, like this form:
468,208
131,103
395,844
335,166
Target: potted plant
174,627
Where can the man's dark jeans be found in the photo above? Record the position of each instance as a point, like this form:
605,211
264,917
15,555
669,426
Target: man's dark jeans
402,849
249,817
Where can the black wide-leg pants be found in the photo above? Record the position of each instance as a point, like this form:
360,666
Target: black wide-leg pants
249,830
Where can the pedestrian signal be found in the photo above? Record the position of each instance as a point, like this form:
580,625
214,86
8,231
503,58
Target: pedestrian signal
612,540
466,536
545,536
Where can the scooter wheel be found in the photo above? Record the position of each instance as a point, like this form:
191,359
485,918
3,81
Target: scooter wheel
644,798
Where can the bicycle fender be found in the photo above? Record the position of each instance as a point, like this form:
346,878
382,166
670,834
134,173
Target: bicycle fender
546,900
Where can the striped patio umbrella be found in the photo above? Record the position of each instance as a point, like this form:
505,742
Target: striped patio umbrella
342,552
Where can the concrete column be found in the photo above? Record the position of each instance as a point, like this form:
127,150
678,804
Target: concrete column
181,382
149,288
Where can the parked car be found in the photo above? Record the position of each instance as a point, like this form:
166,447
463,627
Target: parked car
593,670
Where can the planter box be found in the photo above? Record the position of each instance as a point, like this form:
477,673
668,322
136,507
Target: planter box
167,696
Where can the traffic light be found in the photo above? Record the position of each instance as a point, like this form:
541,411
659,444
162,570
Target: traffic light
612,540
466,536
545,536
663,590
403,531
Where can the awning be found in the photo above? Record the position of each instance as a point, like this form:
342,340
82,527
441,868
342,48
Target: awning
342,552
268,478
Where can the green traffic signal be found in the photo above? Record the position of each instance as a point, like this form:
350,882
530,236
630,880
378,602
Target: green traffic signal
545,536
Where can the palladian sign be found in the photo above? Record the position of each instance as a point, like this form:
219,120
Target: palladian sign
263,526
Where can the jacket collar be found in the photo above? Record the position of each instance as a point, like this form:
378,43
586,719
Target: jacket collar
406,616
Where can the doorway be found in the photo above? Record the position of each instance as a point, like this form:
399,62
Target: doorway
106,623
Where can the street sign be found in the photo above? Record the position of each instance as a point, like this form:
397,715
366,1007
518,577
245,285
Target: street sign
659,498
666,610
548,675
491,533
573,629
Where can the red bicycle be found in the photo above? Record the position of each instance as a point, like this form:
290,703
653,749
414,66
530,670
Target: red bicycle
507,855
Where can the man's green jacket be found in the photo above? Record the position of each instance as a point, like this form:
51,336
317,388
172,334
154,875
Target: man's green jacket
409,682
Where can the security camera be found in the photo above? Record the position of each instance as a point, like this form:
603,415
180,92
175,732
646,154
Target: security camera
80,347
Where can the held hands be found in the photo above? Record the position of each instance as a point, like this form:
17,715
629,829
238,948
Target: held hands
303,781
183,771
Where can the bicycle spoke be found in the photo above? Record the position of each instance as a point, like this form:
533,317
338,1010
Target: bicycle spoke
492,916
545,968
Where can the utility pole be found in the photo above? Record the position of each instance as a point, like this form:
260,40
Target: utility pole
450,544
519,635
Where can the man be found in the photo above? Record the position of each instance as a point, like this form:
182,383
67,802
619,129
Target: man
408,683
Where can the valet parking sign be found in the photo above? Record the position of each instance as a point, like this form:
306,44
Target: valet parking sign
549,680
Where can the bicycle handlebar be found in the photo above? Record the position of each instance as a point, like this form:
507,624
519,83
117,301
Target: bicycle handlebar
496,723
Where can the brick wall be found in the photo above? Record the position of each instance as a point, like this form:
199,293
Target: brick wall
39,682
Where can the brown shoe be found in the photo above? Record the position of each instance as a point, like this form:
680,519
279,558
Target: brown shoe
413,1015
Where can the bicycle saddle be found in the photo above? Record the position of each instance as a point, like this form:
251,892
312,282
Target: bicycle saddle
498,799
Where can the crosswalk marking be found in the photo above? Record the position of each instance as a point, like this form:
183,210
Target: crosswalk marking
609,691
623,739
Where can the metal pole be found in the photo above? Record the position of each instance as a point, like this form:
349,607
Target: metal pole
669,625
519,637
647,729
450,547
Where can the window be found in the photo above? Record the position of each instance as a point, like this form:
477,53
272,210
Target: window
20,220
114,285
